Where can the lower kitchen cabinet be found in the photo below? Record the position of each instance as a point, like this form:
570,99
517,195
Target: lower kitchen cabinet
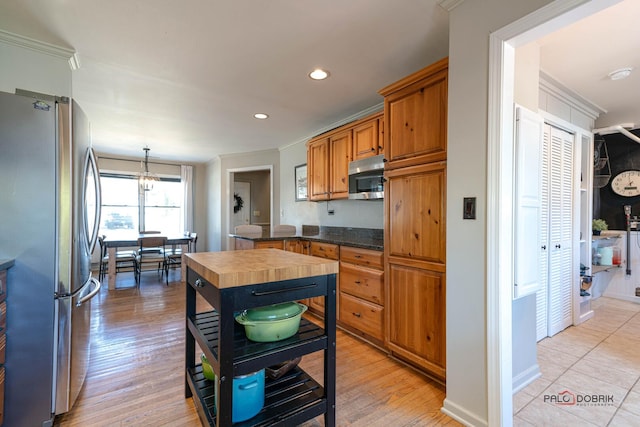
361,302
417,317
328,251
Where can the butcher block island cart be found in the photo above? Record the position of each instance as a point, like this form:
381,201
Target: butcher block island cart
232,281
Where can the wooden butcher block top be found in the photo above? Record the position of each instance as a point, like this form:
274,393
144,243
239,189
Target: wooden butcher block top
228,269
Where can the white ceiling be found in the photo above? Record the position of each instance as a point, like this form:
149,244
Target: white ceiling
583,54
185,78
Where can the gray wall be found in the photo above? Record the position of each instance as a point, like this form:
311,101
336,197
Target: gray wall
470,24
348,213
219,197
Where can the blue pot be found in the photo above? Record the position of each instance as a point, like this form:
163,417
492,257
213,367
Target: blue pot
248,396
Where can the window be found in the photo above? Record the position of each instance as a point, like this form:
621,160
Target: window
125,207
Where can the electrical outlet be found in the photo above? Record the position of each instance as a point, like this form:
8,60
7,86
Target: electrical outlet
256,213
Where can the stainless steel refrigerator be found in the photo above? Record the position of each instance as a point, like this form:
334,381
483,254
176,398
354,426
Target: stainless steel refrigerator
49,216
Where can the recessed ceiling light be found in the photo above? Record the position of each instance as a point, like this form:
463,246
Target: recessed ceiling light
261,116
621,73
319,74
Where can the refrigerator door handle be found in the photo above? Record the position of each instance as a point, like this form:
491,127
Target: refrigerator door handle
92,174
90,294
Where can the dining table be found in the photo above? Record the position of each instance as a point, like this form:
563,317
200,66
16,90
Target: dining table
129,239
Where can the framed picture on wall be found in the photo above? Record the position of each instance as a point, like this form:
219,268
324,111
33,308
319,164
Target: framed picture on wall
301,182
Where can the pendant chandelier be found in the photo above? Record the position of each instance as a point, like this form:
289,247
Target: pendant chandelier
146,179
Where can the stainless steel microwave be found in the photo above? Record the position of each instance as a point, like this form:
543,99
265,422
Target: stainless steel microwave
366,178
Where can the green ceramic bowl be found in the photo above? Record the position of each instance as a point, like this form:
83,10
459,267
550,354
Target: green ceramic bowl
272,323
207,370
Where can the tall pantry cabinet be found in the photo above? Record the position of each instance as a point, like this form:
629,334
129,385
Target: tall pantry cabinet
415,117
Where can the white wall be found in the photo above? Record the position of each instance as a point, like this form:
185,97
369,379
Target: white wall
219,198
347,213
34,70
470,24
213,198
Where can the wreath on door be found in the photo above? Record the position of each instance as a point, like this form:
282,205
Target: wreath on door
239,203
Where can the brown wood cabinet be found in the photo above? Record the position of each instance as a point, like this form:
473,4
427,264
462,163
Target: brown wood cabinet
3,337
242,244
329,154
415,113
329,251
367,139
362,292
328,166
415,215
318,169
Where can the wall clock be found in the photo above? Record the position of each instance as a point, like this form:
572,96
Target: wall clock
626,183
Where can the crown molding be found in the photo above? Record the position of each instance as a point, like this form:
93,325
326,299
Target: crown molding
352,118
40,47
554,87
449,5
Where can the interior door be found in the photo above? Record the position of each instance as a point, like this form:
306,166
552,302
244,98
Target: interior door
554,310
560,230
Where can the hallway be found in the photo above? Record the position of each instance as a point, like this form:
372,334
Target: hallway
597,362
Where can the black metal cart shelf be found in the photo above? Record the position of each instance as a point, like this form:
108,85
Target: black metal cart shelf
289,400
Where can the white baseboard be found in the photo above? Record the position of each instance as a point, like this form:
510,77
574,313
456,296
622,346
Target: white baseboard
461,415
526,378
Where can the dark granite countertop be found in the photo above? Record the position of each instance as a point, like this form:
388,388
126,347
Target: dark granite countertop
5,264
366,238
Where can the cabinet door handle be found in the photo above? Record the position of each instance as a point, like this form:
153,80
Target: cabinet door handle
544,247
373,149
558,246
357,256
357,314
277,291
357,282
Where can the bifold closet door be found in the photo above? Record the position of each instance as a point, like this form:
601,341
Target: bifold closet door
556,312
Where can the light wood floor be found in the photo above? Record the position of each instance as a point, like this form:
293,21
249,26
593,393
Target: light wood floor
136,373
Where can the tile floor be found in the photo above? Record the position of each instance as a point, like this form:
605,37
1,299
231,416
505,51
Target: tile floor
599,358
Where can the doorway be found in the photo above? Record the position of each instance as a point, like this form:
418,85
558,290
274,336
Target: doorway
499,188
257,206
241,203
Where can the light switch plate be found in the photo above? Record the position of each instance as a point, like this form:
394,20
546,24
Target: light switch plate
469,208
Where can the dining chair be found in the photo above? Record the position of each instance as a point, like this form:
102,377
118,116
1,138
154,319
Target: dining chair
174,254
124,259
151,252
247,228
284,228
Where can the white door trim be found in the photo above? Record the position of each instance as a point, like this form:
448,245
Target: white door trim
499,278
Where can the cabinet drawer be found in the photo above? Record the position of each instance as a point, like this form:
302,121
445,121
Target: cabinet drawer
3,285
3,316
1,394
325,250
362,315
266,244
365,257
362,282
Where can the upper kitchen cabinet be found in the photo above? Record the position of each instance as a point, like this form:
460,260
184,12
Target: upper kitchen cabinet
415,114
340,145
328,160
367,137
318,169
329,154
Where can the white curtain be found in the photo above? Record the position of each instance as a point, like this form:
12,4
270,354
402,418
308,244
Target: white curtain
186,212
